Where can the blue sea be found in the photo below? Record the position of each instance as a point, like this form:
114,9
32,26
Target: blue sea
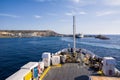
15,52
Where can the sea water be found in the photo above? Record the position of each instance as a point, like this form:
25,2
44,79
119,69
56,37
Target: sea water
15,52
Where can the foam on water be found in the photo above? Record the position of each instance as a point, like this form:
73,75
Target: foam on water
113,46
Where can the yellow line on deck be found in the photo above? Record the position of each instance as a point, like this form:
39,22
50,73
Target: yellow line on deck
59,65
45,72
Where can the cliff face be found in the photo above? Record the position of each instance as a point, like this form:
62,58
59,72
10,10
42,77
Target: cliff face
27,33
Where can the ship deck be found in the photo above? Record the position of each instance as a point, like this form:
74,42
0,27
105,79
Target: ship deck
74,71
68,71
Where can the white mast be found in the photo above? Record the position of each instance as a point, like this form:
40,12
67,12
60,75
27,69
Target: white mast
74,29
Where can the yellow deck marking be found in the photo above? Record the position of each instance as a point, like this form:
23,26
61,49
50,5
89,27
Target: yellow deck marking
45,72
59,65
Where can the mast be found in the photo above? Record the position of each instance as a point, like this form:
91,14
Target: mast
74,29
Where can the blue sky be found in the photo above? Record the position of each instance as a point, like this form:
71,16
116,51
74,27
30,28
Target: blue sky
92,16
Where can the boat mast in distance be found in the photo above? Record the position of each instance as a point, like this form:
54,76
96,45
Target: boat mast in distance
74,29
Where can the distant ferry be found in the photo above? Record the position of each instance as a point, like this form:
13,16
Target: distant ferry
69,64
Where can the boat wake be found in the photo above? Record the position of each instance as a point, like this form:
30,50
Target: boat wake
113,46
102,45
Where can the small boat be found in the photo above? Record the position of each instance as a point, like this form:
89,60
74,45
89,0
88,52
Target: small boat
102,37
69,64
80,36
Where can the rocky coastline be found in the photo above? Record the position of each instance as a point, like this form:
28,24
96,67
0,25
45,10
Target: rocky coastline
27,33
40,33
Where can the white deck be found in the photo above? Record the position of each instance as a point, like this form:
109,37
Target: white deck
30,65
19,75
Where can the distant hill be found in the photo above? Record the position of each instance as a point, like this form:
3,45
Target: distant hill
27,33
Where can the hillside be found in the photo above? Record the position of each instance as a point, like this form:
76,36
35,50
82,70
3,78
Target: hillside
27,33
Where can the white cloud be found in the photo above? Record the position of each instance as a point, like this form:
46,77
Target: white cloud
84,2
105,13
37,16
75,13
82,12
70,13
112,2
9,15
76,1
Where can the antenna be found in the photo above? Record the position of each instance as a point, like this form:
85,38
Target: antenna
74,29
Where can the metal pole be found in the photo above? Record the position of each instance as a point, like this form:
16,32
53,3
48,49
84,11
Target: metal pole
74,28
